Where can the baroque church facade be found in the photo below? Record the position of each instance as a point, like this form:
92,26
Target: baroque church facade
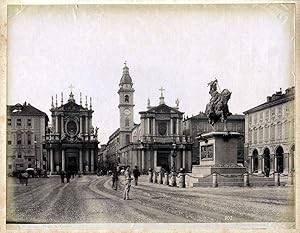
150,143
71,142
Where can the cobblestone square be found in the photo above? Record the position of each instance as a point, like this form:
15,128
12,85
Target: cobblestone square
90,199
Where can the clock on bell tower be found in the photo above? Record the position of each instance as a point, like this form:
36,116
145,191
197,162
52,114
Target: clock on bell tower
126,97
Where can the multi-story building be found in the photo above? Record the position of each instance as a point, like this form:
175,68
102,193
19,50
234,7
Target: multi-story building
269,133
150,143
192,126
71,142
26,127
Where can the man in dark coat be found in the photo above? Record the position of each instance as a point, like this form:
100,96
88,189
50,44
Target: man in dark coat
136,174
62,176
68,176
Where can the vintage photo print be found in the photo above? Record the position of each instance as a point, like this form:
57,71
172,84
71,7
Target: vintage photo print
122,116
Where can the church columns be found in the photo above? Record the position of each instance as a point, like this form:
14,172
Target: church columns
80,125
87,165
178,160
177,126
148,126
92,160
80,160
61,125
183,159
171,126
56,124
154,159
189,160
86,125
51,161
153,127
63,160
143,159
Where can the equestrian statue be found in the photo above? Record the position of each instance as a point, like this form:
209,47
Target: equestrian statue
217,108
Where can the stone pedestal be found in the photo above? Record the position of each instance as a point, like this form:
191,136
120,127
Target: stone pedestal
218,154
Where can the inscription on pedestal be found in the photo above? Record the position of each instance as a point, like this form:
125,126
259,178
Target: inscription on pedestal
207,152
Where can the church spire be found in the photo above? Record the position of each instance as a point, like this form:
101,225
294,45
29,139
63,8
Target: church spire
62,98
161,98
52,103
125,79
80,99
90,103
86,103
56,100
71,96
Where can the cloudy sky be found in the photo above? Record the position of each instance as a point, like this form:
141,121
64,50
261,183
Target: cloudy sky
248,48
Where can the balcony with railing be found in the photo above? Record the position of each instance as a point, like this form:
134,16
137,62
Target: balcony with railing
56,138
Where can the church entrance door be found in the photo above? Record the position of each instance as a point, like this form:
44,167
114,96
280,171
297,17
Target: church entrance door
72,161
163,160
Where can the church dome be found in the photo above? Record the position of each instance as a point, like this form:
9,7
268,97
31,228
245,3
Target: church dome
126,79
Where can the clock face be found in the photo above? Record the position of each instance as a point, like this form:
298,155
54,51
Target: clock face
127,112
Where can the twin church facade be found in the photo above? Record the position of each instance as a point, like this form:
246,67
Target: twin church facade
71,143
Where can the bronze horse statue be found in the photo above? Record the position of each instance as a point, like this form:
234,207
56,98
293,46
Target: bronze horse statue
217,108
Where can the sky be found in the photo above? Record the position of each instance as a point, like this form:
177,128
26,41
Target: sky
248,48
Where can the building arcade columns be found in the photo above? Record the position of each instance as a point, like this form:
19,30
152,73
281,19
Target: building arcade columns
92,160
63,166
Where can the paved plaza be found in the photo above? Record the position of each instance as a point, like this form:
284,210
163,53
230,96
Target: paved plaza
90,199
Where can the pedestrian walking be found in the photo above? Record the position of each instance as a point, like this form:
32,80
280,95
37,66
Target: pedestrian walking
136,174
128,179
68,176
62,176
23,177
267,171
115,179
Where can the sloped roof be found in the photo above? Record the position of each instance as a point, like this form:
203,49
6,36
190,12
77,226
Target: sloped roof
24,110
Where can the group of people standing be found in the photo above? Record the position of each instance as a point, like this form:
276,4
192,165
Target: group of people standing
127,176
66,175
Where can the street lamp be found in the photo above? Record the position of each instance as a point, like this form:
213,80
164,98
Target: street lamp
173,168
35,154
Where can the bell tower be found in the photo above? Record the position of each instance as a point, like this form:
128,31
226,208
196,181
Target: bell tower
126,97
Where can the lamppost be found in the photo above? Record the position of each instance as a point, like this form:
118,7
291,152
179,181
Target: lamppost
35,155
173,168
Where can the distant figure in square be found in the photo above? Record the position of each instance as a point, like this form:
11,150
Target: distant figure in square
23,177
127,183
62,176
68,176
115,179
136,174
267,171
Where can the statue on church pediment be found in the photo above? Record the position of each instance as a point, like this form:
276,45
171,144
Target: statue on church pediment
217,108
96,132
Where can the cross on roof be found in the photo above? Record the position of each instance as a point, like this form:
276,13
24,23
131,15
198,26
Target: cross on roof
125,63
161,90
71,87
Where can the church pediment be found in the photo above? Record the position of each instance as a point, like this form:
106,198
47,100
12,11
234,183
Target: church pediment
163,108
71,107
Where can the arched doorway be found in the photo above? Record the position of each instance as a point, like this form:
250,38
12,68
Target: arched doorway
267,163
279,156
255,160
